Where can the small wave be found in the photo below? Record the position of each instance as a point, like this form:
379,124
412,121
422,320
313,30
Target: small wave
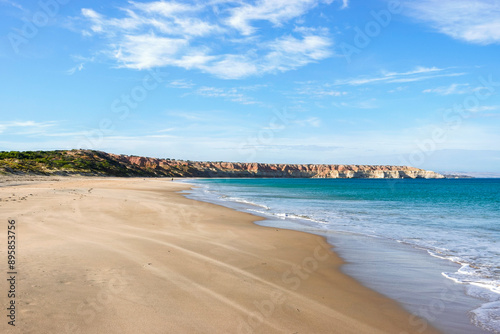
487,317
244,201
469,274
491,285
295,216
284,216
443,256
447,275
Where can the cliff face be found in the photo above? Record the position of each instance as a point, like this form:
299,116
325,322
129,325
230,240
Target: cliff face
236,169
87,162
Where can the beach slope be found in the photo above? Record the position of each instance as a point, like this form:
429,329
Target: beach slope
102,255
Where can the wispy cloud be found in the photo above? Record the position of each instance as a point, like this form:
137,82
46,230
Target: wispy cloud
295,147
80,63
319,90
160,136
311,121
191,116
182,84
398,89
166,130
25,127
73,134
168,33
35,129
474,21
484,108
74,69
418,74
453,89
12,3
276,12
362,104
231,94
239,94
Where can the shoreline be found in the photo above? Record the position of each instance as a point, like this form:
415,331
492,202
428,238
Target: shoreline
210,270
384,267
395,269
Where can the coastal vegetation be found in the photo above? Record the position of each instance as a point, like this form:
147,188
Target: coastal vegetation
60,162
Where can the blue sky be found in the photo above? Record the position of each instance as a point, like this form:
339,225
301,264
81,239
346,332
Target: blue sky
281,81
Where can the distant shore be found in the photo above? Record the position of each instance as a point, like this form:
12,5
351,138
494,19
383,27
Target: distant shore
98,163
130,255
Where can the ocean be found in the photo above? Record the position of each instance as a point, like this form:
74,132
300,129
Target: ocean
417,241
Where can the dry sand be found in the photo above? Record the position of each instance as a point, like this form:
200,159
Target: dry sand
133,256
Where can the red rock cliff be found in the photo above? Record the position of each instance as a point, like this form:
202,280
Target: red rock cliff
237,169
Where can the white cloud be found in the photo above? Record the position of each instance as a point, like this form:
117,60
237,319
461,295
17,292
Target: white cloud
25,127
391,76
65,134
484,108
474,21
275,11
417,70
312,30
289,52
319,90
363,104
238,94
184,84
311,121
451,89
72,70
232,94
80,63
227,45
160,136
397,89
146,51
166,9
232,66
424,77
418,74
166,130
12,3
191,116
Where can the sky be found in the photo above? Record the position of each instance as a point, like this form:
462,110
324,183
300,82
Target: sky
386,82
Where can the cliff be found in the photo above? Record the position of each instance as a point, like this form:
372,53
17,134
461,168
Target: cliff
87,162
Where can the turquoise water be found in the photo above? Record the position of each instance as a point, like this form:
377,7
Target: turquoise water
453,219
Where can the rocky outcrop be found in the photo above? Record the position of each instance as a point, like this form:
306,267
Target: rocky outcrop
89,162
237,169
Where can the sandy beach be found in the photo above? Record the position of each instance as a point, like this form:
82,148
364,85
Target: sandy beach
135,256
